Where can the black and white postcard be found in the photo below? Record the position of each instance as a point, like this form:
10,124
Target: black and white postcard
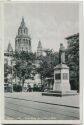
41,62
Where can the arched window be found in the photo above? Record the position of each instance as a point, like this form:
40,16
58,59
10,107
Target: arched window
24,31
21,31
18,41
23,40
27,41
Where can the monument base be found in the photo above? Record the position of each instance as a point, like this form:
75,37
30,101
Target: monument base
60,93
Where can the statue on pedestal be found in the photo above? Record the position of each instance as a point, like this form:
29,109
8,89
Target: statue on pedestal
61,85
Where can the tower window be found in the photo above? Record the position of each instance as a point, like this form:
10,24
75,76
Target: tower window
24,31
29,42
21,30
18,40
26,41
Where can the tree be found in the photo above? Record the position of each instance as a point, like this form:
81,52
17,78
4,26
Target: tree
24,68
7,71
72,55
47,64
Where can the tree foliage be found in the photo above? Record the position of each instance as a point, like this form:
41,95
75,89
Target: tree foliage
47,64
7,71
72,54
24,67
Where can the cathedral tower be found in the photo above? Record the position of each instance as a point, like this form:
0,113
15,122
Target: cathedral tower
22,40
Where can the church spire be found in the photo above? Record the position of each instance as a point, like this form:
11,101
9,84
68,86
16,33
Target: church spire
22,23
23,30
9,49
39,45
39,49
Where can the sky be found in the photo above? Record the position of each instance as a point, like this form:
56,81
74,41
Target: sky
0,23
48,22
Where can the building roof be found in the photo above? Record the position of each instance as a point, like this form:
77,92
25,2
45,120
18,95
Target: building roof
72,36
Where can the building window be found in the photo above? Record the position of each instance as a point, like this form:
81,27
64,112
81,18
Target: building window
65,75
58,76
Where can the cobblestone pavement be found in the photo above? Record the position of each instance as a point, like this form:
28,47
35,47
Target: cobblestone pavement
32,105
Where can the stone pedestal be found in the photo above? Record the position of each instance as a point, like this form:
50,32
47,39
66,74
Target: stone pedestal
61,82
61,78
